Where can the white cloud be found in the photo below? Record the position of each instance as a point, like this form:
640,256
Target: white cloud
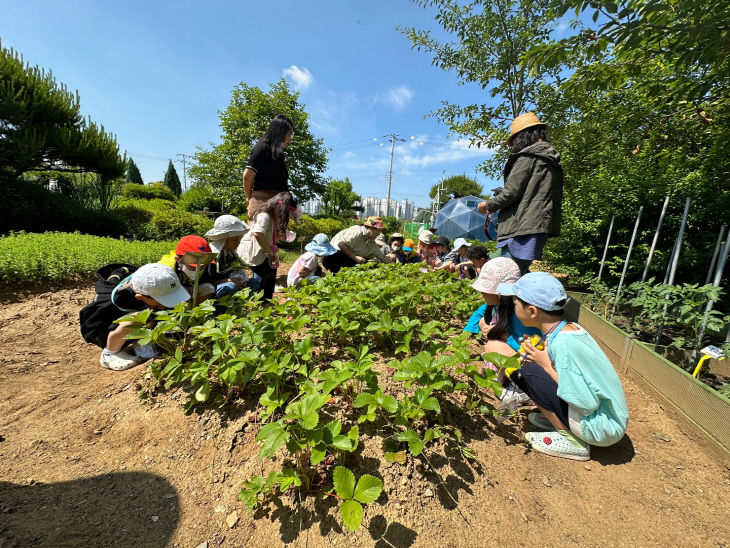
398,97
301,77
449,152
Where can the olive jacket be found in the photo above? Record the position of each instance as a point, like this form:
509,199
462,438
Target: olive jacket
531,202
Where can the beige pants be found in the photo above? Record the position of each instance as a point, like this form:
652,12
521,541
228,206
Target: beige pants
258,197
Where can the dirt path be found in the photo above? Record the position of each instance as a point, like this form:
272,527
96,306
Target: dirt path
84,461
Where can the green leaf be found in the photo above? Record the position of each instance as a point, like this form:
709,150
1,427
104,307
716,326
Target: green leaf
203,393
364,399
415,444
319,451
431,404
351,512
344,482
368,488
399,457
343,443
273,440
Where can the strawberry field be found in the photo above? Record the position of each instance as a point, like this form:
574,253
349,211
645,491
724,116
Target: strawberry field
372,352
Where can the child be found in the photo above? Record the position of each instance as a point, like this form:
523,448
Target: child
497,322
306,266
456,257
476,256
154,286
186,272
426,247
443,248
227,272
408,254
258,246
571,380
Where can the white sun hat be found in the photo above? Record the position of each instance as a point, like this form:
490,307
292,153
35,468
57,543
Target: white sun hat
227,226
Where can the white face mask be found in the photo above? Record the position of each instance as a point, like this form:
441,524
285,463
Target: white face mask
189,271
395,246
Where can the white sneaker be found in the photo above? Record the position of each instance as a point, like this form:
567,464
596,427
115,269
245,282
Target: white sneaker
512,397
120,361
554,444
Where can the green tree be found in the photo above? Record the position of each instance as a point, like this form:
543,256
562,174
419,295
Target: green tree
490,38
172,181
456,186
133,175
41,127
243,123
338,199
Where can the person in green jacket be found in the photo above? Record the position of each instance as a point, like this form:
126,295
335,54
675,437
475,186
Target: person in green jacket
530,206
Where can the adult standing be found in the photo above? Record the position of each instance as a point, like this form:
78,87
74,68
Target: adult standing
356,245
266,174
530,207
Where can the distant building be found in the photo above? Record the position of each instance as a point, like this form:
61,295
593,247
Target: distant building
312,207
373,206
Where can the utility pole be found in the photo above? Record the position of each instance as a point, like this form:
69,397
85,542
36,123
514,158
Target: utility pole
185,171
393,138
437,204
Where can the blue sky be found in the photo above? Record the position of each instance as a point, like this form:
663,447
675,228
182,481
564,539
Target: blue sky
156,73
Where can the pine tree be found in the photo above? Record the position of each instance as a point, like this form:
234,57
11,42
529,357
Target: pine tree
41,127
172,181
133,174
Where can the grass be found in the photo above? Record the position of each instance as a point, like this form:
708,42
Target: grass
30,257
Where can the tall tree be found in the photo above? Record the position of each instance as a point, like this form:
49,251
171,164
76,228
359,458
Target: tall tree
41,127
338,199
455,186
133,175
244,123
490,38
172,180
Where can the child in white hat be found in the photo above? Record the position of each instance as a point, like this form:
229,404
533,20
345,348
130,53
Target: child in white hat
227,272
154,286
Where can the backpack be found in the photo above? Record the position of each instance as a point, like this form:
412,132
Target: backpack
96,317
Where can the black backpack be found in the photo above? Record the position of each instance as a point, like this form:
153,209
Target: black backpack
96,317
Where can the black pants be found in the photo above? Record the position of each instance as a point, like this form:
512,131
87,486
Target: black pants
268,278
336,261
534,381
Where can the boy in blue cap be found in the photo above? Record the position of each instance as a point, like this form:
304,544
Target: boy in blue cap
571,380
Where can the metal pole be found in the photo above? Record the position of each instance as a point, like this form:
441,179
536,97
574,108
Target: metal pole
718,276
390,174
656,237
673,266
605,249
714,255
671,260
626,263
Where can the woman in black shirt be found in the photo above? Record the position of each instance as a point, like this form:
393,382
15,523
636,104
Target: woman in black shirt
266,174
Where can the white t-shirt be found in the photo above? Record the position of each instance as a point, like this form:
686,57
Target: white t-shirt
249,249
308,260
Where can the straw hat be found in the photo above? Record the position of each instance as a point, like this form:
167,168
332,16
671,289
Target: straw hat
523,121
375,222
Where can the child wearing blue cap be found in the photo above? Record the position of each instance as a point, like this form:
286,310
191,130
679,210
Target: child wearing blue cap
571,380
307,267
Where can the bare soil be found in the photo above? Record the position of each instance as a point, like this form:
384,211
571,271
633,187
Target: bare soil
86,461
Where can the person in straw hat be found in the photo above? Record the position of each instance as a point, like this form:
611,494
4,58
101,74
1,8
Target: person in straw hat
530,207
356,245
227,271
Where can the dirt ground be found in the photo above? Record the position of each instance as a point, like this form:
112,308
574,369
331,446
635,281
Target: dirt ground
85,461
